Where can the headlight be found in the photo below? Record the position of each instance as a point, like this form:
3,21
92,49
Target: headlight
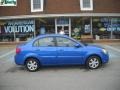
104,51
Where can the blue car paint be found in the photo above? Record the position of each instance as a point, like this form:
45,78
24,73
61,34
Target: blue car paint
58,55
96,50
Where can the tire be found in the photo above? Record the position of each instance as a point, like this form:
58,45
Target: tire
32,64
93,62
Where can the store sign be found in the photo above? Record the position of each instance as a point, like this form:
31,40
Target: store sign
19,26
111,24
8,2
114,27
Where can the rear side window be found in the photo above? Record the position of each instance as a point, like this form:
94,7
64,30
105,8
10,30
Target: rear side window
44,42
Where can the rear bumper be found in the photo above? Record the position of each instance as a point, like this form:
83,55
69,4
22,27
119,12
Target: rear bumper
18,60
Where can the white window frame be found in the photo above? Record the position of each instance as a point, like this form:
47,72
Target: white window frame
37,10
86,9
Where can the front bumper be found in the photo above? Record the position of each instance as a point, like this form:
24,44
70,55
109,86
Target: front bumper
105,58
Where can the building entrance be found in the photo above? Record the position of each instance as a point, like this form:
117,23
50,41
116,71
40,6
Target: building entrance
63,24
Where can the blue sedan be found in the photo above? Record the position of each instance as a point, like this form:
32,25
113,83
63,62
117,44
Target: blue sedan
54,49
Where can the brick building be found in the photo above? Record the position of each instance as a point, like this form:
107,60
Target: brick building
23,19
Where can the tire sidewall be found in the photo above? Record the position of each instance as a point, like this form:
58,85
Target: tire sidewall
38,64
88,60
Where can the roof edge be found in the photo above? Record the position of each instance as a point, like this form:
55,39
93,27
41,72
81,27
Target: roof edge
60,15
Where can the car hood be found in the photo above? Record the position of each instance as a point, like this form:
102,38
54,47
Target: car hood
96,46
92,47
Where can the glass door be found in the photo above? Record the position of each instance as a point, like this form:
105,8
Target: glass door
63,28
63,25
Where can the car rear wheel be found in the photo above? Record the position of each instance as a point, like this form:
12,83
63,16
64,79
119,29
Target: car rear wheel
32,64
93,62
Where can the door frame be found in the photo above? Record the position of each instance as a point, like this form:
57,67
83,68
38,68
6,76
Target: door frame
63,25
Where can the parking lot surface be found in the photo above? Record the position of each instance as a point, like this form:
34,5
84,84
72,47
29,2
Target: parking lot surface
13,77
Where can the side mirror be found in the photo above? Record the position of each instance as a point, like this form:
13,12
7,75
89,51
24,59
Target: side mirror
77,45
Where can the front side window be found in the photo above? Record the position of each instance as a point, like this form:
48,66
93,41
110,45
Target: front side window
86,4
64,42
36,5
44,42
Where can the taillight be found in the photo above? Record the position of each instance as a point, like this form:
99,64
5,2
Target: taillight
18,50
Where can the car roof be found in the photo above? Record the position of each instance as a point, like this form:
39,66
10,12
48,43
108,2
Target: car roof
53,35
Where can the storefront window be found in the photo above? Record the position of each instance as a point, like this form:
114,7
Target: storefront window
100,27
80,27
19,30
45,26
106,28
76,32
7,36
115,28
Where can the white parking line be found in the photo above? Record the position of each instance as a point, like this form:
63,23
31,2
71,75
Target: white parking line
113,48
6,54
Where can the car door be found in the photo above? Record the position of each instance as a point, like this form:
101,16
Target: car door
67,53
46,49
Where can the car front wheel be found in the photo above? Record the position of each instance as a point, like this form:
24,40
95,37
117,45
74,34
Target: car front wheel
32,64
93,62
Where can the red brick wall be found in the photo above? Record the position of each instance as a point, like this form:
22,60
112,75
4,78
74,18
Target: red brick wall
107,6
61,6
23,7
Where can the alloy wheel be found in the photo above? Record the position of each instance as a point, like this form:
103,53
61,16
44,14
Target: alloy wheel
93,62
32,65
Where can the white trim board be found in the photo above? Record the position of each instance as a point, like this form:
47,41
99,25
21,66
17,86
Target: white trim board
61,15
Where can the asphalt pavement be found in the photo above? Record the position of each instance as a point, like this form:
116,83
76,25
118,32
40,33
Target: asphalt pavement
13,77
